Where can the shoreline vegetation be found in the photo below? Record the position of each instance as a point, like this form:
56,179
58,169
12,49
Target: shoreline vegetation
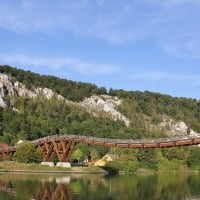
15,167
7,167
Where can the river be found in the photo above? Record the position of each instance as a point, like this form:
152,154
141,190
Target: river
98,187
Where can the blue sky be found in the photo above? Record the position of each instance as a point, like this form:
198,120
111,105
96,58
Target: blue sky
140,45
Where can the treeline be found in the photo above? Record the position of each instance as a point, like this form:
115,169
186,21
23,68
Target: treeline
137,106
39,117
72,90
36,118
175,159
151,108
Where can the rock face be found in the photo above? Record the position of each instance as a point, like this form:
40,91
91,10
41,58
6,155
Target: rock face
10,88
6,88
94,104
107,104
176,128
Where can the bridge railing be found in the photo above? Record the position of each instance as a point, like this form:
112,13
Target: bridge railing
8,149
184,140
117,141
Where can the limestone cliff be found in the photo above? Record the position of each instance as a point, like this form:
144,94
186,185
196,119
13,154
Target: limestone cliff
95,104
176,128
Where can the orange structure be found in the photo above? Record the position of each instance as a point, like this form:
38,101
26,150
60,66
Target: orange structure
62,146
3,145
6,152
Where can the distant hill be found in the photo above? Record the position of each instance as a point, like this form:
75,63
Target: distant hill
34,106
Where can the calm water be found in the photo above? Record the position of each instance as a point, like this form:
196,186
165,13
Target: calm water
98,187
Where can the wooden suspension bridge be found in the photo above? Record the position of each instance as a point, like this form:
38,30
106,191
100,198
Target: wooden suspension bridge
62,146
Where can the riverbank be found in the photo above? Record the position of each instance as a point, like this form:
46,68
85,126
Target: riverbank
14,167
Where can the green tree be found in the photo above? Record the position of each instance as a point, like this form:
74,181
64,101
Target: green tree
148,158
85,149
178,153
28,153
94,155
77,156
193,160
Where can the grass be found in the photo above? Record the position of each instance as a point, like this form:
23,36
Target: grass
9,166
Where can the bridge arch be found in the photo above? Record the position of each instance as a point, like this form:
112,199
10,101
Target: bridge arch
63,146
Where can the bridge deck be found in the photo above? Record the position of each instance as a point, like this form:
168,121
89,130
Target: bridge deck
157,142
63,146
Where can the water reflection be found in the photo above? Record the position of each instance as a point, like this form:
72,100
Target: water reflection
59,191
132,187
6,187
34,187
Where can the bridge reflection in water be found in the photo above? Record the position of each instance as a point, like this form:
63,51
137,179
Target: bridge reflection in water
6,186
48,192
62,146
55,189
183,186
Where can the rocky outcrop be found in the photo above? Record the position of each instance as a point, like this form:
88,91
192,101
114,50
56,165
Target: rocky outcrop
21,90
176,128
95,104
106,104
11,88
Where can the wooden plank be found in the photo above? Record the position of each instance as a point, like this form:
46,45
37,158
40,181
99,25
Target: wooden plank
184,142
136,145
110,144
167,144
150,145
121,145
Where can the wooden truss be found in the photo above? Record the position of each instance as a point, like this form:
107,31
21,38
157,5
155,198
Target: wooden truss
7,154
61,192
60,149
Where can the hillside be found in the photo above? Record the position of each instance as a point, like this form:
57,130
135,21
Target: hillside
33,106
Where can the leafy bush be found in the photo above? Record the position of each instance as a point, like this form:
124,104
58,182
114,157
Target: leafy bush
121,165
193,160
28,153
148,158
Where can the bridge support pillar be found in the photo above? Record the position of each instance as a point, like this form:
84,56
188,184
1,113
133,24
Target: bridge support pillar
64,164
50,164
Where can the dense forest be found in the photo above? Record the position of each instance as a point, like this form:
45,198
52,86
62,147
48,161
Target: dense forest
36,118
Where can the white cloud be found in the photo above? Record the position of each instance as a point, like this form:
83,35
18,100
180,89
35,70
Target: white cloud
157,76
170,23
148,75
60,64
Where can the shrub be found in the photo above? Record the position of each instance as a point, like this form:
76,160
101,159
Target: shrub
193,160
28,153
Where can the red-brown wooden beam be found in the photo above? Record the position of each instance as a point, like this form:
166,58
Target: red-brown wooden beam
63,146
